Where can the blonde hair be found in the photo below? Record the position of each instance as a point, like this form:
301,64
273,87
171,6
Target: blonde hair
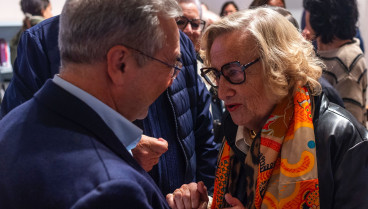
288,60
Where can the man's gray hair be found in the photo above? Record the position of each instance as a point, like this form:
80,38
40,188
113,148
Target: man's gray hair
196,2
89,28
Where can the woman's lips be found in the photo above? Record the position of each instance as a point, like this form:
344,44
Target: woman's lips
232,107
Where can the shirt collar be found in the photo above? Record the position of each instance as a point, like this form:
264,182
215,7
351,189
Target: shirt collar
128,133
243,141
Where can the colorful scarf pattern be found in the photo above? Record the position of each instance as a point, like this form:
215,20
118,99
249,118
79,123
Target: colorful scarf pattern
222,177
287,172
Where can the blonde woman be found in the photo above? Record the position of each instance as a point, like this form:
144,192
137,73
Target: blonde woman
285,144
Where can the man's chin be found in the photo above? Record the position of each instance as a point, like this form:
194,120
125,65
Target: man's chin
142,115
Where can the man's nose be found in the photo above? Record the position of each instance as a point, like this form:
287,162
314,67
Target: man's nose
170,82
188,28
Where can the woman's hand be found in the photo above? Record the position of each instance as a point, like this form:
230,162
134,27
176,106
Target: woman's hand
189,196
234,202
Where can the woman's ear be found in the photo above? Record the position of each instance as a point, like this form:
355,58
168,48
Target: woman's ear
116,62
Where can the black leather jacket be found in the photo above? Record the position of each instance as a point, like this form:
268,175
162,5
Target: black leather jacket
342,155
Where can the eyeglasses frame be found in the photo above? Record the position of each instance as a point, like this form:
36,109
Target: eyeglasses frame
218,73
177,67
190,21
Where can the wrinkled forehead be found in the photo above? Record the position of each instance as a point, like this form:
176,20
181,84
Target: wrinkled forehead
234,46
171,48
190,10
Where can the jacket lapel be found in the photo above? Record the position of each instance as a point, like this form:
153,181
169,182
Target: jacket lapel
63,103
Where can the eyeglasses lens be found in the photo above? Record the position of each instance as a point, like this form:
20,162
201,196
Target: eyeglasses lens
212,77
233,72
176,69
183,22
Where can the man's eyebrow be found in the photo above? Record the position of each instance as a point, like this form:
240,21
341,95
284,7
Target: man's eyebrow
173,58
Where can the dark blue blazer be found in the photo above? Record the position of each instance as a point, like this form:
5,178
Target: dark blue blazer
180,115
56,152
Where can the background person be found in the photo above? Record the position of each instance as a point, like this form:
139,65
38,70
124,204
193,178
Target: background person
285,145
192,25
309,36
208,15
191,22
276,3
228,8
327,88
69,146
35,11
333,24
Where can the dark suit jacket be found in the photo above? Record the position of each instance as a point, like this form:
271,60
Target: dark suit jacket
56,152
180,115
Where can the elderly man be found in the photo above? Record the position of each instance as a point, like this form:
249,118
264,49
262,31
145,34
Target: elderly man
180,116
69,146
192,25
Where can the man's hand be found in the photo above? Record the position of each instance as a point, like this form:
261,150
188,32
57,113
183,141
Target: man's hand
148,151
189,196
234,202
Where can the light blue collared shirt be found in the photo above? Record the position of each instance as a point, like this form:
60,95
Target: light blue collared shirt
128,133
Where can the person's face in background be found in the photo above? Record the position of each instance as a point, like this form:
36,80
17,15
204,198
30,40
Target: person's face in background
190,11
46,13
276,3
308,31
229,9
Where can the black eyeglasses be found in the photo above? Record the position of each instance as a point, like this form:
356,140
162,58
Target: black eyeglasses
177,67
234,72
196,24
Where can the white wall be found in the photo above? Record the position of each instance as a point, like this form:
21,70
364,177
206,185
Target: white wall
294,6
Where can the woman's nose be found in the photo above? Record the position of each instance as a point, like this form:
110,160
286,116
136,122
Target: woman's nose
188,28
224,89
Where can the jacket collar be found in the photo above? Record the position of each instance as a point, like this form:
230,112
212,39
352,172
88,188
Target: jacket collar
63,103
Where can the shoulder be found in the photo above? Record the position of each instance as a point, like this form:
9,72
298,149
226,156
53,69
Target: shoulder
45,26
334,125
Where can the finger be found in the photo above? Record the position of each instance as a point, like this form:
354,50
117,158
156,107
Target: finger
186,196
170,200
233,201
202,189
147,164
195,195
203,205
178,198
159,146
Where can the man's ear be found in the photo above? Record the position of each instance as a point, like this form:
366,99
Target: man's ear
116,62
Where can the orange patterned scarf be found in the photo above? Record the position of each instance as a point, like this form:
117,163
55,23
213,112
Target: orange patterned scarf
287,170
